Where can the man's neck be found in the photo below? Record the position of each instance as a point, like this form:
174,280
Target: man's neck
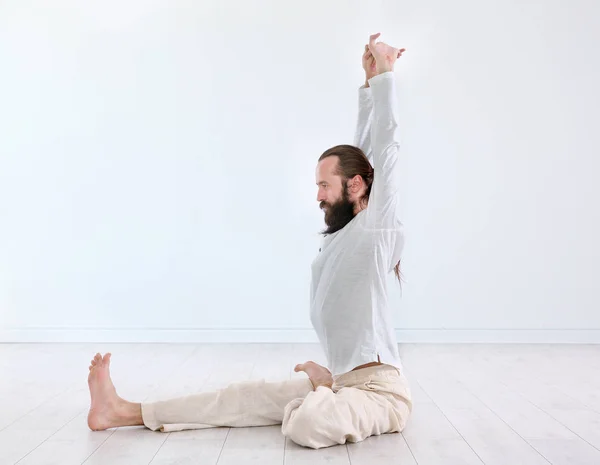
359,206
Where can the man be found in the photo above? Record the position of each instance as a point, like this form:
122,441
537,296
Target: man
364,391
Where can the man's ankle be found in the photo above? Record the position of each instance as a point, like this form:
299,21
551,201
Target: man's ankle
130,413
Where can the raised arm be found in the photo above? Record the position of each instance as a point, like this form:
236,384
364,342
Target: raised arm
362,134
384,138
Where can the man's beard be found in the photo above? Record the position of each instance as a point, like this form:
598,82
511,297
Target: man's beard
338,214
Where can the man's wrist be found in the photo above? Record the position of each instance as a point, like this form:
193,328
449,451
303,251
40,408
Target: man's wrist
384,66
385,69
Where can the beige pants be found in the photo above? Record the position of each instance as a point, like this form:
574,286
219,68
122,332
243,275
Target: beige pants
366,402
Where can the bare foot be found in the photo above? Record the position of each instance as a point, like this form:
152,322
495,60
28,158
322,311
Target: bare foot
318,375
105,401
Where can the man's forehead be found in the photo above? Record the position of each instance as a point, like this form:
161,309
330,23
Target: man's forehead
326,168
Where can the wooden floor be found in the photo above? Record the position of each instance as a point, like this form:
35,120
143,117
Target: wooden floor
474,404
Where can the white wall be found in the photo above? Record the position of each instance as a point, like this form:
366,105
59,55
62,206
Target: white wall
157,165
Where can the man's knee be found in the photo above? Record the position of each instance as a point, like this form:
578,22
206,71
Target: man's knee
300,429
306,423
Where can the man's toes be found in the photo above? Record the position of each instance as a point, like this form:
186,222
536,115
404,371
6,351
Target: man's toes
91,367
106,358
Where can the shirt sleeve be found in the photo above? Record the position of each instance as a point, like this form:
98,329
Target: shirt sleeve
362,135
385,145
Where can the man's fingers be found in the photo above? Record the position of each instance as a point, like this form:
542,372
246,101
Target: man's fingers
372,40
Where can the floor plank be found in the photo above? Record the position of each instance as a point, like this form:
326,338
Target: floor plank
262,445
201,447
71,445
298,455
387,449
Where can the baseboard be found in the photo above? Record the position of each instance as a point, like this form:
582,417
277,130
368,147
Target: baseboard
289,335
500,336
159,335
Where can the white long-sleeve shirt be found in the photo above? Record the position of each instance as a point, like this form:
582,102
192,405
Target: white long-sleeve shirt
349,302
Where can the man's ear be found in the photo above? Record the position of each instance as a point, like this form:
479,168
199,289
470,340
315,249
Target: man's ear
355,183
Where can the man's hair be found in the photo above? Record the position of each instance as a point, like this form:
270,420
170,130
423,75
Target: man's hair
353,162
